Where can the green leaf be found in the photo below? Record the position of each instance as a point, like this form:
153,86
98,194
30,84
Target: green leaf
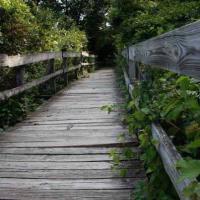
193,190
183,82
194,145
139,116
189,168
192,104
128,153
123,172
175,113
145,110
108,108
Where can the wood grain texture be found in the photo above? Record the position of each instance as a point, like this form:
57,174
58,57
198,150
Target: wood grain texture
19,60
177,51
169,156
61,151
35,194
70,174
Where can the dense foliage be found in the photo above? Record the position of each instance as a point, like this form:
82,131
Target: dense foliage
173,101
88,15
170,99
137,20
105,26
26,28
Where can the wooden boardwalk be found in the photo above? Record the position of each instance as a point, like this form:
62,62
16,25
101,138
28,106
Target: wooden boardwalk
61,150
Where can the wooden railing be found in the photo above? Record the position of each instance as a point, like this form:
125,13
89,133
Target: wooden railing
177,51
20,62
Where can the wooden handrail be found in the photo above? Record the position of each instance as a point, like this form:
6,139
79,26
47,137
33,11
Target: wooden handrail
18,60
177,51
166,150
21,60
86,54
170,157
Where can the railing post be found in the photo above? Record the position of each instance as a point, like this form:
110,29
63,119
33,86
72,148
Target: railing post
64,66
77,70
131,67
20,71
81,61
50,70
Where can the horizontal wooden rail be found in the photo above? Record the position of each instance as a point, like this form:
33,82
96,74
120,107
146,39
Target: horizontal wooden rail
15,91
169,156
86,54
18,60
165,149
21,60
87,64
12,92
177,51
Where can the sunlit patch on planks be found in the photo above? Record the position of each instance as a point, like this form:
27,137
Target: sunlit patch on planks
61,151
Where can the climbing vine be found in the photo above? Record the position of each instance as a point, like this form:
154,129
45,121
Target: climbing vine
173,101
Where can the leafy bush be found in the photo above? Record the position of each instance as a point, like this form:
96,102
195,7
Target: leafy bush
171,99
137,20
27,28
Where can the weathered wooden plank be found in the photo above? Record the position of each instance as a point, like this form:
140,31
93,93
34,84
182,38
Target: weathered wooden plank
66,140
70,143
54,158
35,194
82,184
10,166
87,64
71,174
177,51
169,156
72,116
61,150
69,126
62,133
86,54
71,54
18,60
57,158
37,160
73,121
